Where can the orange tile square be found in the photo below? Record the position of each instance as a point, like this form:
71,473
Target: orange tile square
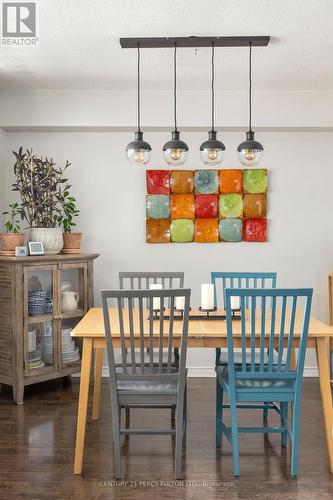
182,206
157,231
255,205
206,230
231,181
181,181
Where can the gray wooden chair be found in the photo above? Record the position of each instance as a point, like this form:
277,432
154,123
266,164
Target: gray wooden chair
132,280
142,385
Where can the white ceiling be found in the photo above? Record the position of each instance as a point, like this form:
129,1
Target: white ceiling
79,45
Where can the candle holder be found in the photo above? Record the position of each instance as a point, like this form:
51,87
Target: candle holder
207,311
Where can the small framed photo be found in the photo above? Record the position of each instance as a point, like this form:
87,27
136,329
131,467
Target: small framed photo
21,251
36,248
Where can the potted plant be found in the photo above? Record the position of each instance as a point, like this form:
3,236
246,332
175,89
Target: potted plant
12,238
72,240
38,181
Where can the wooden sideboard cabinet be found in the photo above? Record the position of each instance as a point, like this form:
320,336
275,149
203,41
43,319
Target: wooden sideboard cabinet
41,300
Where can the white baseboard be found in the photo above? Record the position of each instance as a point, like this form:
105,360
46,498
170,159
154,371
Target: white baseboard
207,371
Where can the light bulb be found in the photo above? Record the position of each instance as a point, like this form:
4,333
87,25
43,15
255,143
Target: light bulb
249,154
212,153
139,155
175,154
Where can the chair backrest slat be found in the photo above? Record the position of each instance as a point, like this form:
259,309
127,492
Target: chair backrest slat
284,313
142,334
291,330
282,331
242,304
271,335
262,334
151,335
160,341
253,333
170,337
121,329
137,329
239,280
131,330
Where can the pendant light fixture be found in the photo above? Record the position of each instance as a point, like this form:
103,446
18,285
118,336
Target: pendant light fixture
175,151
138,152
212,151
250,151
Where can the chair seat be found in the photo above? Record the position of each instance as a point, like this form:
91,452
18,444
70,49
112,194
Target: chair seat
245,384
147,386
238,357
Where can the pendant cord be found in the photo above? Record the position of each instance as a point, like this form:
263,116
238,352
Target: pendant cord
138,90
250,87
212,87
175,86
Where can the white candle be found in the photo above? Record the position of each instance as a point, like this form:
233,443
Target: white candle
156,300
180,303
235,303
207,296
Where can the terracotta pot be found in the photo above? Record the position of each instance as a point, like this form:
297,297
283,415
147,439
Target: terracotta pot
51,237
72,242
9,241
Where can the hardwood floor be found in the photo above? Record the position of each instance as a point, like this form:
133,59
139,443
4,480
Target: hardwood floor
37,443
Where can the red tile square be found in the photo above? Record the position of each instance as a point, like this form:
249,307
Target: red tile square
255,229
158,181
206,206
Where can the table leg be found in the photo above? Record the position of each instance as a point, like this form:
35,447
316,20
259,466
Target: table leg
83,404
97,383
326,396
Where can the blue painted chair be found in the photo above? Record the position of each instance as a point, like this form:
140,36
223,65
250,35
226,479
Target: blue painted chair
269,320
224,280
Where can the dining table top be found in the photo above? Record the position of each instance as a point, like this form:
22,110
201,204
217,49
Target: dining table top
92,324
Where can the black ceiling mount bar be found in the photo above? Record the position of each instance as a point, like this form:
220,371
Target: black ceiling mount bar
195,41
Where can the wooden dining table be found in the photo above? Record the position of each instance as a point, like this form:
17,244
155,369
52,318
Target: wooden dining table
202,333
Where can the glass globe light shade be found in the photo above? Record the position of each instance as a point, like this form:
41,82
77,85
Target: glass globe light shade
212,151
250,151
138,152
175,151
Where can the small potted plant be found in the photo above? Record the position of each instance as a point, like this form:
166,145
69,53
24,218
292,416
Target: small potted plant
69,211
12,238
38,181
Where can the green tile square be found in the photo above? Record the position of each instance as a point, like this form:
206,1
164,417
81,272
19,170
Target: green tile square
206,182
158,206
255,180
231,205
231,229
182,230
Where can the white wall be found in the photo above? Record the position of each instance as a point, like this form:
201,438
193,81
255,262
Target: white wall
3,164
111,196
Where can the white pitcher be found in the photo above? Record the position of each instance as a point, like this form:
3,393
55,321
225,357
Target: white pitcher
69,301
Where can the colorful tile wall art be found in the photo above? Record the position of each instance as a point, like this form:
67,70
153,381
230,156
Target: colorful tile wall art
206,206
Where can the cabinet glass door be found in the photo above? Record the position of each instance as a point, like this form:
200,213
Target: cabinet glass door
40,349
70,348
40,297
73,283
